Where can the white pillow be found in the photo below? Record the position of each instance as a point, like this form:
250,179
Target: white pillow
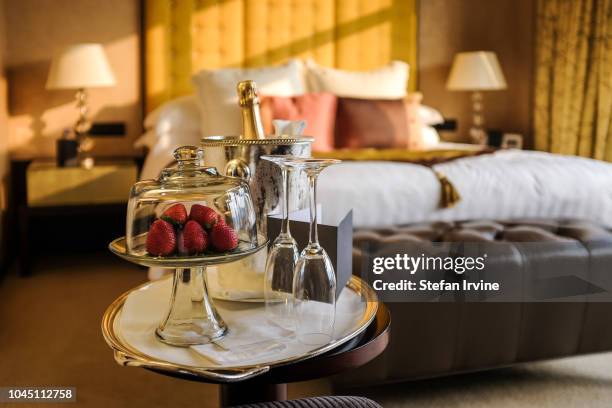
148,140
429,137
178,114
430,116
216,92
388,82
161,147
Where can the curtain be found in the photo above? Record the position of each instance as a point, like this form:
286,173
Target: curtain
573,78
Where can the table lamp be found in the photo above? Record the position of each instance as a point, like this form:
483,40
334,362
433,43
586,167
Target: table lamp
476,71
81,66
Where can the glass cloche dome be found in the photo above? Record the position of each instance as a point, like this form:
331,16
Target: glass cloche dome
189,218
191,211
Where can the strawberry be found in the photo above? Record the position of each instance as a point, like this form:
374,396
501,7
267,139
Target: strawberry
223,237
205,216
161,240
195,239
176,214
180,243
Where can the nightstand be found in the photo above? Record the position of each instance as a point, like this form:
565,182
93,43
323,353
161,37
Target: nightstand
73,197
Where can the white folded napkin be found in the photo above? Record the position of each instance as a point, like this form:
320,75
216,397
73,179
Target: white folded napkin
288,128
238,355
252,337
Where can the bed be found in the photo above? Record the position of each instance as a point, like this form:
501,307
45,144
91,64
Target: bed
501,186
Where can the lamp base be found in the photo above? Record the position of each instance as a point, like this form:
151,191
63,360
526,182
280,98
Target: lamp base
478,135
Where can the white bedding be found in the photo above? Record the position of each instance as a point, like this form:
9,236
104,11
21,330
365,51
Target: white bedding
504,185
507,184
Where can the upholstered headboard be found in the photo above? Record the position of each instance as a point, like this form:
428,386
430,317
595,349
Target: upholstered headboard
184,36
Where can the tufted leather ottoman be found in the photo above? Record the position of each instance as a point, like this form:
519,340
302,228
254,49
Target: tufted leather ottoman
433,339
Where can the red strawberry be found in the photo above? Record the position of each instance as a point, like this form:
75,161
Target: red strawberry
205,216
195,239
180,243
161,240
223,237
176,214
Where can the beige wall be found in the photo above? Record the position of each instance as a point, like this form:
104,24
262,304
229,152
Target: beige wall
504,26
35,28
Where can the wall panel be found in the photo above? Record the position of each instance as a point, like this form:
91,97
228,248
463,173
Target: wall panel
185,36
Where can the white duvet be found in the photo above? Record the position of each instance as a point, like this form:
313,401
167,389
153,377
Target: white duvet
505,185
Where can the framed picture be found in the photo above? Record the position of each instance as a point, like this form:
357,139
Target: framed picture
512,141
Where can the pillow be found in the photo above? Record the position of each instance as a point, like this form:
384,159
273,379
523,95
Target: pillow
178,114
412,102
147,140
317,109
429,137
430,116
388,82
161,146
380,123
218,101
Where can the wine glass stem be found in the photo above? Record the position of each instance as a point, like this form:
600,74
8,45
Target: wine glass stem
285,203
313,236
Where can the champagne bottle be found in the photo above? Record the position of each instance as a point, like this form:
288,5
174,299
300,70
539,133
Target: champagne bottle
249,105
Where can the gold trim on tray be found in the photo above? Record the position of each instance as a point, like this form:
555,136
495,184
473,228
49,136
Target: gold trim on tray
127,355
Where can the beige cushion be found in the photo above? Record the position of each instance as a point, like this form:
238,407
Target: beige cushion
218,101
387,82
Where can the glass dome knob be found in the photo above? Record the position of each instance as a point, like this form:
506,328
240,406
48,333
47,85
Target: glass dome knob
189,155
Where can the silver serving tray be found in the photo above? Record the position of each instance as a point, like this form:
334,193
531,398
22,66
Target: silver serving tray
127,355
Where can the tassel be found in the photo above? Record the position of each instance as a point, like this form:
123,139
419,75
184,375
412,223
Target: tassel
449,195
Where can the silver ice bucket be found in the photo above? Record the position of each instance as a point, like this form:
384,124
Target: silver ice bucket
237,157
242,158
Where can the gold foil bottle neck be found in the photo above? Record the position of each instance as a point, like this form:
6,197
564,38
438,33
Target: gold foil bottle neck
247,93
248,100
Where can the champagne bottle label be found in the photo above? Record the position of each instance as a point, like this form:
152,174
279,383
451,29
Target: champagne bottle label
248,100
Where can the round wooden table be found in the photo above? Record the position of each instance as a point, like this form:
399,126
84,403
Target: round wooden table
272,385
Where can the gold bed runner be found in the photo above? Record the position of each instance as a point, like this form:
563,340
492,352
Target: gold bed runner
424,157
449,195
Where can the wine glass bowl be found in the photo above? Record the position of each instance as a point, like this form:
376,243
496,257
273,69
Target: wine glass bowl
281,260
314,282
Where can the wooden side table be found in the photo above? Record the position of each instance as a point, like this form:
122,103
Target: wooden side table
272,386
41,188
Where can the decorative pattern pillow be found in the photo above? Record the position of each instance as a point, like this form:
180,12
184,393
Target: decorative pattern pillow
317,109
216,92
388,82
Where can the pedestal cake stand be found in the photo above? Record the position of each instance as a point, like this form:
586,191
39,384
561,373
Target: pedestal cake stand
192,317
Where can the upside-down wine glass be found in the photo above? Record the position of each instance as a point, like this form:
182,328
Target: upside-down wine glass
281,260
314,282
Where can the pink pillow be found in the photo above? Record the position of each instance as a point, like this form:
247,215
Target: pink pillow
317,109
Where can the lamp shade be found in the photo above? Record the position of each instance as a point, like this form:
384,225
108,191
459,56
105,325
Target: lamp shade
80,66
476,71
